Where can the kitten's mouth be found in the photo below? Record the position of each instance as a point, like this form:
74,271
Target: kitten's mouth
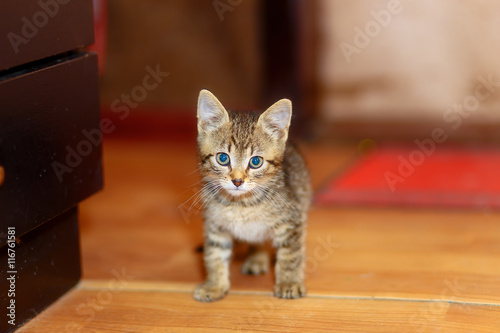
237,192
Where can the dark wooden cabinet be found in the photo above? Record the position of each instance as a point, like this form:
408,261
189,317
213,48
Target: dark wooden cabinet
38,29
50,140
50,149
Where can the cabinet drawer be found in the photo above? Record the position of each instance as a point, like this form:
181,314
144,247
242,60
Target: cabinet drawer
36,29
50,141
46,263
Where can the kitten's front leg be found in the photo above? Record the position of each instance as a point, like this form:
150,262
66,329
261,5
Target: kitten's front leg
217,252
290,260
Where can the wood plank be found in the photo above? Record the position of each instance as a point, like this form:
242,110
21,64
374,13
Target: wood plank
407,253
135,224
119,309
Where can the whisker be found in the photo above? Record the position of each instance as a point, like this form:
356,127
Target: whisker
195,170
195,194
206,190
274,197
217,189
198,195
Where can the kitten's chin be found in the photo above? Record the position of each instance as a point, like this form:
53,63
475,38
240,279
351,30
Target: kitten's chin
236,192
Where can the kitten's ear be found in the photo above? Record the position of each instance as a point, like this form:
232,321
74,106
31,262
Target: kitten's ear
211,113
276,119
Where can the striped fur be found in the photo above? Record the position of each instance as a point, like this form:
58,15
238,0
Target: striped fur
271,204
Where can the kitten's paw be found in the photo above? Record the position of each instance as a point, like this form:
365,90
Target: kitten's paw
256,263
209,292
289,290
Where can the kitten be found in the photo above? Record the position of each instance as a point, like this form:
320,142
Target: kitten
256,187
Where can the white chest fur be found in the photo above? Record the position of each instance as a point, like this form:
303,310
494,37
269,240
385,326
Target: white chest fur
249,224
253,232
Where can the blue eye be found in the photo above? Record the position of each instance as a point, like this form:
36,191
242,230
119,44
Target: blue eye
222,159
256,162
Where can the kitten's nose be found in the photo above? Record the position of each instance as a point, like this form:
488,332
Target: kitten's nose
237,182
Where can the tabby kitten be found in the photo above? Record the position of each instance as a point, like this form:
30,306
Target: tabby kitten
256,188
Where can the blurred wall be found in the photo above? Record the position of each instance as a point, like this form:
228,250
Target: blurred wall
201,46
407,60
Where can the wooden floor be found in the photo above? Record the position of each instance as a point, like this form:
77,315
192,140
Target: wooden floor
368,270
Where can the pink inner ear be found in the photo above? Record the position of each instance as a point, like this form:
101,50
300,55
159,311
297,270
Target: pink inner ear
211,112
280,118
208,111
277,117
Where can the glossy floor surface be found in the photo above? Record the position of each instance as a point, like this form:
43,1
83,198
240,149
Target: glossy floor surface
368,270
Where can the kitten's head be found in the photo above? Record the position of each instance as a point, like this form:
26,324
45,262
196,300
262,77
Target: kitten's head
241,152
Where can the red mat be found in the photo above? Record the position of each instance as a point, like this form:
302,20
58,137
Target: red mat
408,176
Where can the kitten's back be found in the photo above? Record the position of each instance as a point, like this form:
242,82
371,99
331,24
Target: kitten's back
296,176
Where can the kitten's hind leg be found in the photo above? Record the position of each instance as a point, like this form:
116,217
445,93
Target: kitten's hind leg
257,261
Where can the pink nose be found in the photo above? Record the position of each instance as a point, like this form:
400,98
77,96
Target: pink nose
237,182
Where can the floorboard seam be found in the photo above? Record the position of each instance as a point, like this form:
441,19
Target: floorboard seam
82,286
